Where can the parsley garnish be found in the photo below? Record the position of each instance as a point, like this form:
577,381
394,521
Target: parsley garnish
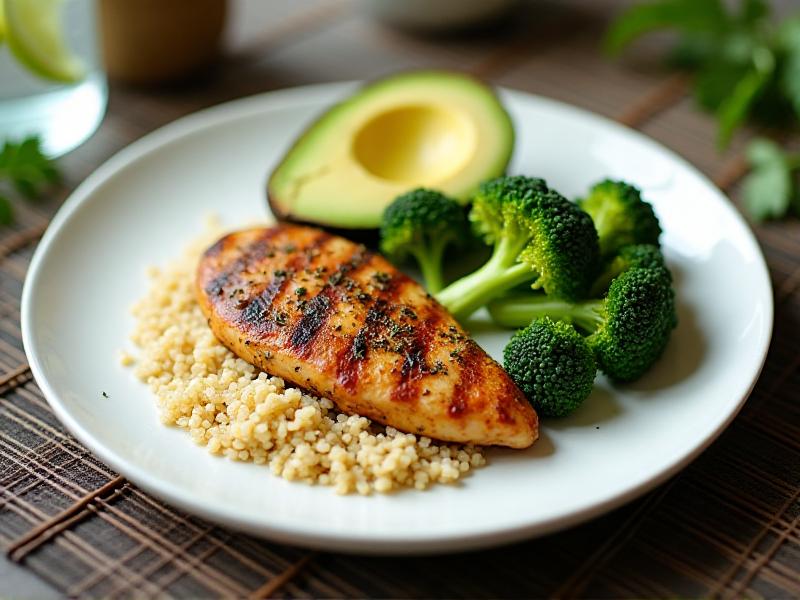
771,188
746,67
25,170
336,278
407,312
747,63
381,280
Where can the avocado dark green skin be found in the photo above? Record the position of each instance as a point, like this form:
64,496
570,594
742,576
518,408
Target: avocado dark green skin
275,206
366,235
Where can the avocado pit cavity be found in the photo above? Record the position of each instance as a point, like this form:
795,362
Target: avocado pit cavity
418,145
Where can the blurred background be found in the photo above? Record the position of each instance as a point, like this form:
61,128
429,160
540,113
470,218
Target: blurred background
727,526
181,55
165,59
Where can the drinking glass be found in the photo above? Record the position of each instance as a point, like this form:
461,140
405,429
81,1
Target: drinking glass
63,115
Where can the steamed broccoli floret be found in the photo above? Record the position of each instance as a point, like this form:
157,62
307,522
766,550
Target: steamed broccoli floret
552,364
620,216
627,330
646,256
538,237
635,323
423,223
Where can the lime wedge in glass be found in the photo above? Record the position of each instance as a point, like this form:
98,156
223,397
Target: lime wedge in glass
2,23
35,35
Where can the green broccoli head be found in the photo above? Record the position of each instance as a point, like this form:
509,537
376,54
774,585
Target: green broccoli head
422,224
552,364
646,256
638,316
642,256
620,216
538,238
504,203
627,330
564,251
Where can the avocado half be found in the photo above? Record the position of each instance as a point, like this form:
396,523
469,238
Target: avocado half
435,129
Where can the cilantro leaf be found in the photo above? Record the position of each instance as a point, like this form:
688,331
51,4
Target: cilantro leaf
732,46
789,34
768,188
6,211
746,64
790,80
26,167
734,109
753,11
715,82
692,51
699,16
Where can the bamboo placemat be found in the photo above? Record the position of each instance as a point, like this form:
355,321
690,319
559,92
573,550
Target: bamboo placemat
727,526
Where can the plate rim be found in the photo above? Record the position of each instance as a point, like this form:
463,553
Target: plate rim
352,541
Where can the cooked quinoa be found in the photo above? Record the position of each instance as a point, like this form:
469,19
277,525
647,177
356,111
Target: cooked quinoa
238,411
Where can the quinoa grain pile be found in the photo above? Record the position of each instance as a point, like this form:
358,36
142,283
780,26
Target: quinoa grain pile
237,411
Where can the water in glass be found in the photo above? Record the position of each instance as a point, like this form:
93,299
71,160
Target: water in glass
63,115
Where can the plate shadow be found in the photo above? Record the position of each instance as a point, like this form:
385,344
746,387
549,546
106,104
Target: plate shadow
601,406
542,448
684,354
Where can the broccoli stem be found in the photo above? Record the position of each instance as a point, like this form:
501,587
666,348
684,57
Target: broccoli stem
500,273
605,278
604,224
601,222
519,311
430,260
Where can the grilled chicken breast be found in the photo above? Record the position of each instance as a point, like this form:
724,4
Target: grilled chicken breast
332,317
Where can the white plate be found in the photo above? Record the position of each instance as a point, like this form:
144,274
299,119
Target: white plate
144,204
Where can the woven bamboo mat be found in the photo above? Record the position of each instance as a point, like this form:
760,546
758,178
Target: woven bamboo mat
727,526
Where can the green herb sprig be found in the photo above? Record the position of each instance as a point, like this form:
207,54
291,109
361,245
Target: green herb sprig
771,189
746,66
24,171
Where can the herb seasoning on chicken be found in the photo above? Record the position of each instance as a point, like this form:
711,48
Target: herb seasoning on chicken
360,332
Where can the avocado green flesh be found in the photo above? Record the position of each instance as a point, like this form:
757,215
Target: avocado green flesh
435,129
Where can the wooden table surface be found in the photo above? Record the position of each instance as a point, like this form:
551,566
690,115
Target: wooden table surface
726,526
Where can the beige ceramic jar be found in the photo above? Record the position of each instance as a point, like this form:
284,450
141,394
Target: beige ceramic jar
155,41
